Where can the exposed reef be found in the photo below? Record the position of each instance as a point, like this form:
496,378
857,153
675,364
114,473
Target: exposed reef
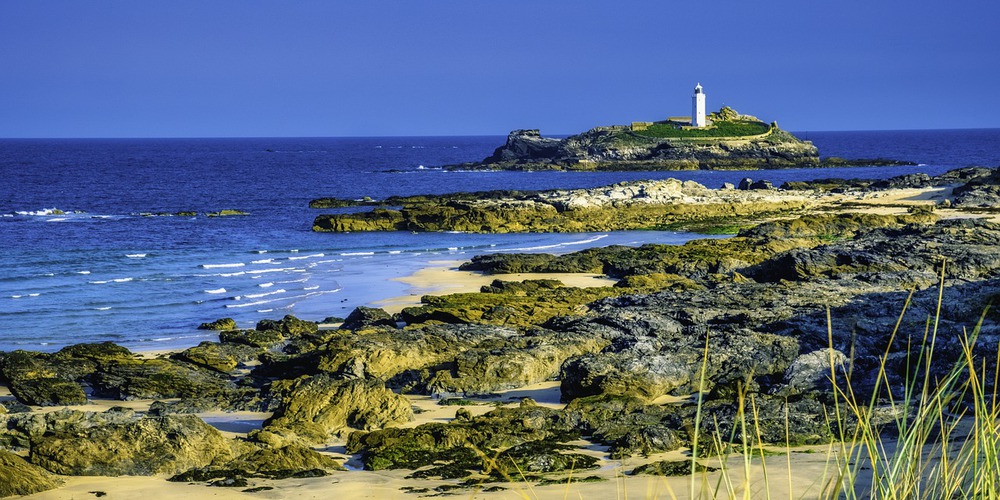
623,206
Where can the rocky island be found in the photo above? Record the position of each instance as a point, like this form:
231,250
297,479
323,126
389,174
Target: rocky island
730,141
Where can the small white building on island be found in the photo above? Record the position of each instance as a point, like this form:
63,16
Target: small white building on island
698,107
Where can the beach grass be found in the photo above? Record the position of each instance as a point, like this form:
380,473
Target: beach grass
937,438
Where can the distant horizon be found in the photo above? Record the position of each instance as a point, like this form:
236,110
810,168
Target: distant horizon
414,136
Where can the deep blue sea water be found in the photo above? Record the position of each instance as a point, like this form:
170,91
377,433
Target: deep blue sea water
103,271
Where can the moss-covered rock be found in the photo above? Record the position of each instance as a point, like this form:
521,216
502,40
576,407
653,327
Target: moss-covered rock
270,463
117,443
36,379
254,338
289,326
157,379
367,317
219,324
18,477
318,408
222,358
671,468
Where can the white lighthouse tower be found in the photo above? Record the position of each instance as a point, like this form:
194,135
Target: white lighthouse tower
698,107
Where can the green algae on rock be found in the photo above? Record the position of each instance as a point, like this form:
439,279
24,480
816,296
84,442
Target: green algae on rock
18,477
623,206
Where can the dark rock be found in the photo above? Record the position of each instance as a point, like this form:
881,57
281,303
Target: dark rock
254,338
367,317
289,326
745,184
320,407
35,380
223,358
18,477
219,324
116,443
671,468
761,185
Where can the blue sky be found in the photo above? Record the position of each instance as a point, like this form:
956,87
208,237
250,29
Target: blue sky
412,67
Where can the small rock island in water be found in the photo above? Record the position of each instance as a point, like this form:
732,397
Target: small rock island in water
724,140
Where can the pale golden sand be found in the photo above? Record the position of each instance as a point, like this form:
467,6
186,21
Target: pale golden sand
444,278
809,469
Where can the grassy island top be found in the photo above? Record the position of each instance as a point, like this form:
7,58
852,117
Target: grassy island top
724,123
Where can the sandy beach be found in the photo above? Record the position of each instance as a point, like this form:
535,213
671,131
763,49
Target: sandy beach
443,277
810,469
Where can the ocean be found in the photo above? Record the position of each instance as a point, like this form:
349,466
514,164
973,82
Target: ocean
83,262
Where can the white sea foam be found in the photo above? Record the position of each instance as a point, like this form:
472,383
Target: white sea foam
311,287
135,255
97,282
213,266
558,245
217,290
351,254
44,211
260,251
230,275
395,252
265,310
452,248
33,294
262,261
102,308
57,219
122,280
16,296
83,272
265,285
259,295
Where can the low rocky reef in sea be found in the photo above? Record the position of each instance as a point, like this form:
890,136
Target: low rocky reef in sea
657,204
769,314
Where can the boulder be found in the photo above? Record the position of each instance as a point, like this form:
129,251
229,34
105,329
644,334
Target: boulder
36,379
321,407
157,379
811,372
367,317
269,463
222,358
290,326
254,338
219,324
18,477
117,443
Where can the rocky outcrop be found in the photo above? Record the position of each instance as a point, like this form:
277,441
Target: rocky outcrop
751,145
367,317
219,324
291,461
18,477
317,408
117,442
623,206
